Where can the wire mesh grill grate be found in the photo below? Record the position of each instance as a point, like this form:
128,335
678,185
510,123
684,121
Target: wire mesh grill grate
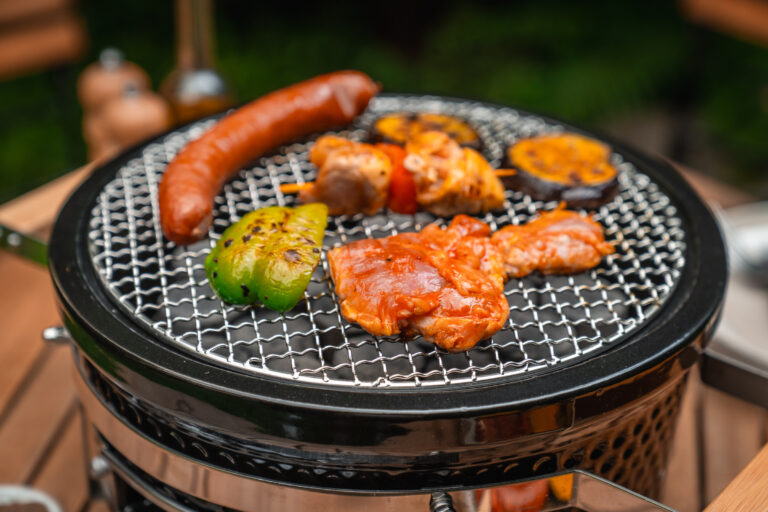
553,319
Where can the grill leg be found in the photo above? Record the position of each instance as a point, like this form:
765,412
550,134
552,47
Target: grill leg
100,480
441,502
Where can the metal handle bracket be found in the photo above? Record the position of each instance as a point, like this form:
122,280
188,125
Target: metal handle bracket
24,245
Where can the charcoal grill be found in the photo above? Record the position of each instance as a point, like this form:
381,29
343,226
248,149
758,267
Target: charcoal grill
587,373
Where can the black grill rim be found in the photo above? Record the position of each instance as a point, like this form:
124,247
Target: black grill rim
689,311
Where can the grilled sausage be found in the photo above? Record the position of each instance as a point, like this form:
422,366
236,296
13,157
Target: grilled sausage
194,178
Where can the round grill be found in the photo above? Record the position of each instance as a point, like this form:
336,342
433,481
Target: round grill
553,319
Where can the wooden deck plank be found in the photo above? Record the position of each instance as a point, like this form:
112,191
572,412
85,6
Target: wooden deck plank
63,475
748,492
45,42
15,10
35,211
25,311
733,435
746,19
35,421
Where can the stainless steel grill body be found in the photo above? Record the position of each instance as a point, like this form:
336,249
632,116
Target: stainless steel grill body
142,470
553,319
586,374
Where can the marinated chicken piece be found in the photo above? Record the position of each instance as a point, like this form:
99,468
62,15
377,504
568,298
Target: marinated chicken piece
466,239
427,283
353,177
558,242
451,179
448,284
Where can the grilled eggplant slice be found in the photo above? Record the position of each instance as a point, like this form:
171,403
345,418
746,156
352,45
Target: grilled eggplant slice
398,128
564,167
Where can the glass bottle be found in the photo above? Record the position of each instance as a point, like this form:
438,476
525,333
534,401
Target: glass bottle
194,89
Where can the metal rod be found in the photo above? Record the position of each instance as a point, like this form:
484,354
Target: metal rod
24,245
737,378
441,501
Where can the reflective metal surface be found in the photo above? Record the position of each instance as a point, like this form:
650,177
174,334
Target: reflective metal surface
224,488
595,494
56,334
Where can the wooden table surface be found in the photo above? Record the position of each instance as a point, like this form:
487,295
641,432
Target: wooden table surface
41,435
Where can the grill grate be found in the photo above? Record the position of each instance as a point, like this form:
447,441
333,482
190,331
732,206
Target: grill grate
553,319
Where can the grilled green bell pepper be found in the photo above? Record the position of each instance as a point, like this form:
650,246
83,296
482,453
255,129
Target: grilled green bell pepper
268,256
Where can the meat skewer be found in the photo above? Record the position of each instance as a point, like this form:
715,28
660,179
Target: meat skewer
432,173
295,188
354,177
451,179
448,284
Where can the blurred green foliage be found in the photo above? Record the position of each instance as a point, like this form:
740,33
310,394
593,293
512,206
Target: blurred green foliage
586,62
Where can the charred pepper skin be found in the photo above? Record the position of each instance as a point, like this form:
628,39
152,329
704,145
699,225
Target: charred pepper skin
268,256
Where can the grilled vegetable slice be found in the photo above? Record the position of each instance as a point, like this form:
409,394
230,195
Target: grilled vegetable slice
562,487
268,256
400,127
566,167
402,187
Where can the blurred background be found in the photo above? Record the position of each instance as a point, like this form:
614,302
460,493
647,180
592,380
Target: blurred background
684,79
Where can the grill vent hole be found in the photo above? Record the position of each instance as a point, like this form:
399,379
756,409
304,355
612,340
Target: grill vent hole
608,465
597,452
574,460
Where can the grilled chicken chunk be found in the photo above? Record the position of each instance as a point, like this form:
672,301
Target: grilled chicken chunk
558,242
451,179
354,177
448,284
427,283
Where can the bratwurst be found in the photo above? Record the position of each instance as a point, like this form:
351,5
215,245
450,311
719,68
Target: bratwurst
194,178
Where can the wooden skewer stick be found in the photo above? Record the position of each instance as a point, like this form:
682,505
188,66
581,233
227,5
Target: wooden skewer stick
295,188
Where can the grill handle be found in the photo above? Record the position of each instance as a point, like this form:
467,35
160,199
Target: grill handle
23,245
581,491
56,334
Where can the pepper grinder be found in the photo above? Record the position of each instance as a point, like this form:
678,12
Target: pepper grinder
195,89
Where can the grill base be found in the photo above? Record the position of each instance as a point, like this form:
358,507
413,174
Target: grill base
628,445
133,490
628,453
